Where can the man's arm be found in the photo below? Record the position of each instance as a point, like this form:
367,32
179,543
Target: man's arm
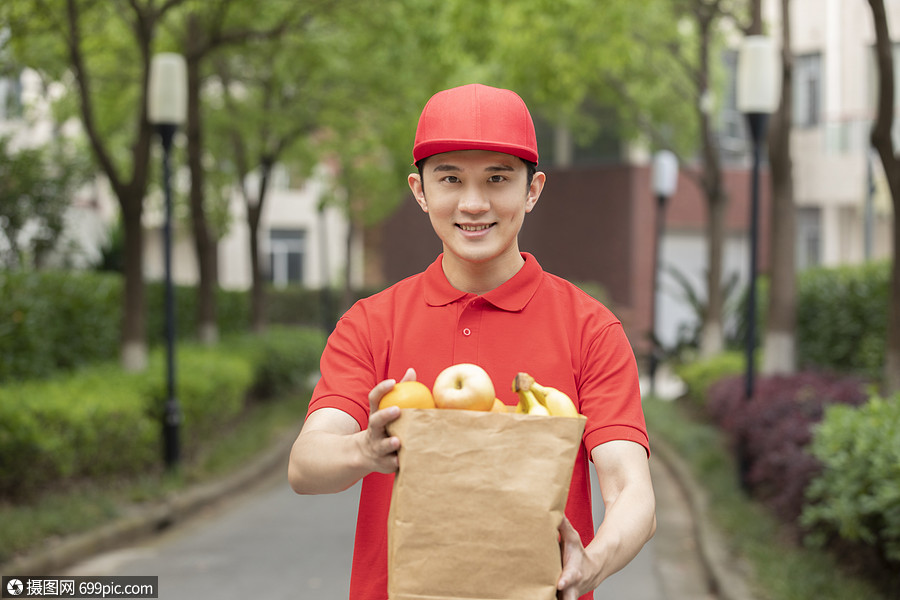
332,452
629,520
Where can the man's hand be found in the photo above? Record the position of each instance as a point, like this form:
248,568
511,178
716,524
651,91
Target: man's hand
577,565
629,520
379,448
332,452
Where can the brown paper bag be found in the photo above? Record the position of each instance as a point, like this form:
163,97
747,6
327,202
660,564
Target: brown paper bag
477,503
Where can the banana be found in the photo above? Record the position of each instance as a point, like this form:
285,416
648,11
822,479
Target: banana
532,406
528,403
535,398
558,403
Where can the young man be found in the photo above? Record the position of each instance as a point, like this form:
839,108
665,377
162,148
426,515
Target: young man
482,301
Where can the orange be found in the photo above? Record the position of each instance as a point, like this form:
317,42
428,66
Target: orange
499,406
408,394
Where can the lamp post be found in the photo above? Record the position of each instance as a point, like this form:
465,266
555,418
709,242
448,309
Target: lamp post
665,180
758,93
166,110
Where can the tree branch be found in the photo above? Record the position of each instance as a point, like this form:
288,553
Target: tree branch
84,88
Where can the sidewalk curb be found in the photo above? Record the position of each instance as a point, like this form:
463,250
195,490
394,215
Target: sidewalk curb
143,523
727,580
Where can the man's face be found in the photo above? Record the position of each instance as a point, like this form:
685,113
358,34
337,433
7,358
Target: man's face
476,201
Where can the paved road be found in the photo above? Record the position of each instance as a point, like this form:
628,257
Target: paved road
272,544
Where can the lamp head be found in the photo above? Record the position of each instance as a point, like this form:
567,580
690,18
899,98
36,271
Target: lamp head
665,173
758,75
167,90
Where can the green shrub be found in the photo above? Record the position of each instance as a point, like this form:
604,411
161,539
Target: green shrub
296,305
52,320
284,358
699,375
857,495
99,421
842,317
210,386
88,424
232,312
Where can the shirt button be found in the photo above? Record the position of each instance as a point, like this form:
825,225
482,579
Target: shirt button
467,331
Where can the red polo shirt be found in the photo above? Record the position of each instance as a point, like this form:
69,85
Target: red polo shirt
535,322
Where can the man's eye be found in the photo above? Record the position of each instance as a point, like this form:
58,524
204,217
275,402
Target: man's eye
497,179
451,179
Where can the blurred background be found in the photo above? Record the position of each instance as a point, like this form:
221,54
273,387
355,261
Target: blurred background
288,186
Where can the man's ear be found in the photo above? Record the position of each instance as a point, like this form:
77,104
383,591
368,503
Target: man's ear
418,190
535,189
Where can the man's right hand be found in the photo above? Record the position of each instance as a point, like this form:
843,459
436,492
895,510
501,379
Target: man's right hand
332,453
377,445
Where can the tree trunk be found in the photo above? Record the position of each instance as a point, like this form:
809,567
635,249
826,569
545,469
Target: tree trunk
712,339
134,339
779,345
892,346
205,243
257,289
883,143
254,213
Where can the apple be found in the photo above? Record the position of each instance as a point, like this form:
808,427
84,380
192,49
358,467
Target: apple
464,386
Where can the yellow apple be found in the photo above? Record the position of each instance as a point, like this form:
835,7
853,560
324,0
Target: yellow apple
464,386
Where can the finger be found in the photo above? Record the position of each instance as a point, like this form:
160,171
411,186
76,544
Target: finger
385,446
379,420
378,393
571,543
568,533
410,375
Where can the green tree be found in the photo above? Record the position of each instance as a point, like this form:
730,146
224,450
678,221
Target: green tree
203,30
36,187
883,141
102,50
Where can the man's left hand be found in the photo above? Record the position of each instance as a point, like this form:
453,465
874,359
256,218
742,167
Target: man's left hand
577,566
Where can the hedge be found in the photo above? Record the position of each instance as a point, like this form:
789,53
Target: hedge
699,375
841,317
53,321
776,427
856,496
821,453
100,421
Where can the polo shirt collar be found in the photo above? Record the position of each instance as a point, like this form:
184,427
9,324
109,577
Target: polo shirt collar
511,296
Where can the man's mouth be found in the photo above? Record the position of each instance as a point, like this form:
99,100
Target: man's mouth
475,227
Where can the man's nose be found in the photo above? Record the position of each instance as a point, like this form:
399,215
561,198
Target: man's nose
473,200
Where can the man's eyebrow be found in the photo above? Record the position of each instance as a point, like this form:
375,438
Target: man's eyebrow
445,167
442,167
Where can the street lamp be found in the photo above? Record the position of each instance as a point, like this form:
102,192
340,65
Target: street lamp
758,93
166,110
665,180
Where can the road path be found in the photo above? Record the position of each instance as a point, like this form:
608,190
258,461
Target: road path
270,543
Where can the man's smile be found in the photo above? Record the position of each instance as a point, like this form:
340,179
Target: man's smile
474,227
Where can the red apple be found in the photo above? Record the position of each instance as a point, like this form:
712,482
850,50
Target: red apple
464,386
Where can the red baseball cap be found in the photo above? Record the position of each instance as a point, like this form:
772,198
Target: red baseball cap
476,117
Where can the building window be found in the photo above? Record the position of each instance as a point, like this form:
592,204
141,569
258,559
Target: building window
809,237
731,126
287,248
808,90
